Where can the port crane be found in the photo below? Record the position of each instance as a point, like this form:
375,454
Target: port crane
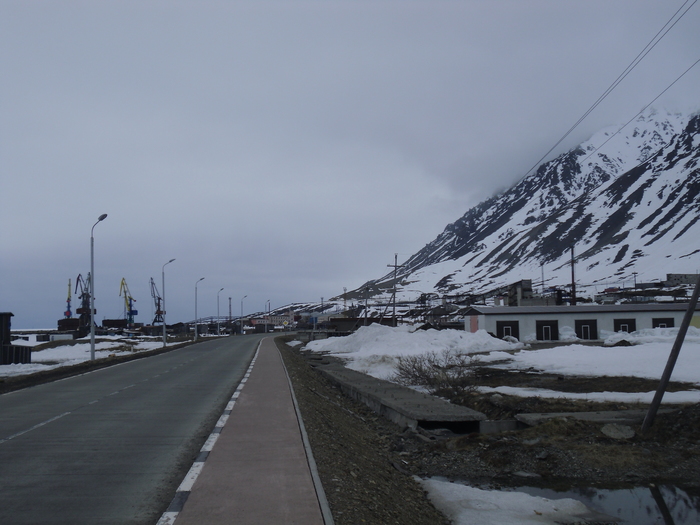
68,314
129,301
157,299
84,311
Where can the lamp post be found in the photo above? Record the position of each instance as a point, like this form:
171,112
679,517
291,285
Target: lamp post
92,286
242,313
267,320
196,319
163,288
218,319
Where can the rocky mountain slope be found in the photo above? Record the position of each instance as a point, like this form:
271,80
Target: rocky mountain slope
626,202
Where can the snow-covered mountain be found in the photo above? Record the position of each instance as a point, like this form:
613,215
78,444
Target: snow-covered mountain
627,202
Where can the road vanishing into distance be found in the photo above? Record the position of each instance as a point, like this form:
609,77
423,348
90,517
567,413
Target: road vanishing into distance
112,446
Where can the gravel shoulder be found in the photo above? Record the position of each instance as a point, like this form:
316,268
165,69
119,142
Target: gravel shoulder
366,480
367,463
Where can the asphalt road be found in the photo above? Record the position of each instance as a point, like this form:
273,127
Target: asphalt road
112,446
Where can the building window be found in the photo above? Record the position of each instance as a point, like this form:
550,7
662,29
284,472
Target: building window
586,329
625,325
547,330
662,322
507,328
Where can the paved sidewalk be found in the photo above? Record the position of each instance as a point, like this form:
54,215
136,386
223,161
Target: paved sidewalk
257,471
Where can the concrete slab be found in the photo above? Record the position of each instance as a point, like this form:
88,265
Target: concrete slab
401,404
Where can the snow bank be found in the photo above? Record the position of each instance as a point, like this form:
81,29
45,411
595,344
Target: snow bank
646,360
687,396
466,505
374,349
653,335
71,354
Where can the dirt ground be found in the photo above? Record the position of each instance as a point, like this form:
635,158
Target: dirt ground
367,463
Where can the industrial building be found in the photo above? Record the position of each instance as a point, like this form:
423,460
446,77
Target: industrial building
589,322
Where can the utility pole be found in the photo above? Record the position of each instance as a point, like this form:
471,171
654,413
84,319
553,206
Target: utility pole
366,296
672,358
393,297
573,279
542,268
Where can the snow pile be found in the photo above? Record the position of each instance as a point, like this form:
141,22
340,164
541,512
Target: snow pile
653,335
374,349
71,354
466,505
646,360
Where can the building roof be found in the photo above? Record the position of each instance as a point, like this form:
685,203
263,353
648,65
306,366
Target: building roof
584,308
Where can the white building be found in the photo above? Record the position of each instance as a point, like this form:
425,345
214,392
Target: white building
545,323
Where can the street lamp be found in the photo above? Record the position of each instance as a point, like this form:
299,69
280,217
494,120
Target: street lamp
196,319
267,320
163,309
92,287
218,319
242,313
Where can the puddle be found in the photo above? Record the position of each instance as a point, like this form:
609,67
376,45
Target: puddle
652,505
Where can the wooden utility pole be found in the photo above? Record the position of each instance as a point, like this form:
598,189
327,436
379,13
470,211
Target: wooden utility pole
675,350
396,267
573,279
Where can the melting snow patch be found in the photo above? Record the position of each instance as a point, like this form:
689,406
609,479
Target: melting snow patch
466,505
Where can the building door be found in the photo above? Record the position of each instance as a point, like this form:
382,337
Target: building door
662,322
586,329
507,328
547,330
625,325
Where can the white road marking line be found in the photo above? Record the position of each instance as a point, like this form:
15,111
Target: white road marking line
168,518
34,427
191,477
209,443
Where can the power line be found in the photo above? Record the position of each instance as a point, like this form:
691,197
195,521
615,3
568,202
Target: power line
642,54
642,111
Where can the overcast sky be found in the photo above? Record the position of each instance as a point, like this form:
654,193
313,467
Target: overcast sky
285,150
